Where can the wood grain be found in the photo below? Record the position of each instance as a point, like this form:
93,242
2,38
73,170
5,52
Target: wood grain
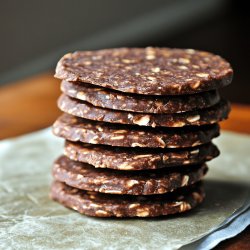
30,104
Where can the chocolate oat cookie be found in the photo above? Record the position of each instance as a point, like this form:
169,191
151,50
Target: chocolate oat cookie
107,205
84,176
79,129
113,99
103,156
138,125
199,117
154,71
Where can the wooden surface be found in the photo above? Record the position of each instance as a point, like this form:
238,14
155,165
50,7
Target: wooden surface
31,105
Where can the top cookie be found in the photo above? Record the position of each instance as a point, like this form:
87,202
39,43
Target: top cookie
154,71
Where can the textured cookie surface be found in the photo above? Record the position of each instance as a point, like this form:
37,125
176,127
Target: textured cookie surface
107,205
78,129
112,99
84,176
155,71
103,156
199,117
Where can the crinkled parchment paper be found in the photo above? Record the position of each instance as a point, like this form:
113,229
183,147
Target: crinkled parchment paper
29,219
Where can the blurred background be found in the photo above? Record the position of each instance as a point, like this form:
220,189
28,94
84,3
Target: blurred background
35,34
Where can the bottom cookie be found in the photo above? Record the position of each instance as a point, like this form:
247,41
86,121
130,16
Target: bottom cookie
108,205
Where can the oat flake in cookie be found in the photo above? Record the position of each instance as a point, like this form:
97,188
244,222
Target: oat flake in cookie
198,117
78,129
112,99
84,176
103,156
107,205
154,71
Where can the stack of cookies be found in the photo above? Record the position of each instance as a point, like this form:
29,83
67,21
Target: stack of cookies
138,125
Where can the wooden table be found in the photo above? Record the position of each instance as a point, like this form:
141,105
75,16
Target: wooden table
31,105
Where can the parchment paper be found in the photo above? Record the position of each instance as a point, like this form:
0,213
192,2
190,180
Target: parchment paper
29,219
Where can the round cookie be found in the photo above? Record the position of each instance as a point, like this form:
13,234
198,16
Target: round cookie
107,205
78,129
84,176
153,71
103,156
113,99
199,117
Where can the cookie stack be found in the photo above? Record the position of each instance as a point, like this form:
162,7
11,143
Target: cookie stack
138,125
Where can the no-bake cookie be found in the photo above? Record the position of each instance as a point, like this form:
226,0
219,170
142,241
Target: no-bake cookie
107,98
108,205
78,129
154,71
198,117
121,158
